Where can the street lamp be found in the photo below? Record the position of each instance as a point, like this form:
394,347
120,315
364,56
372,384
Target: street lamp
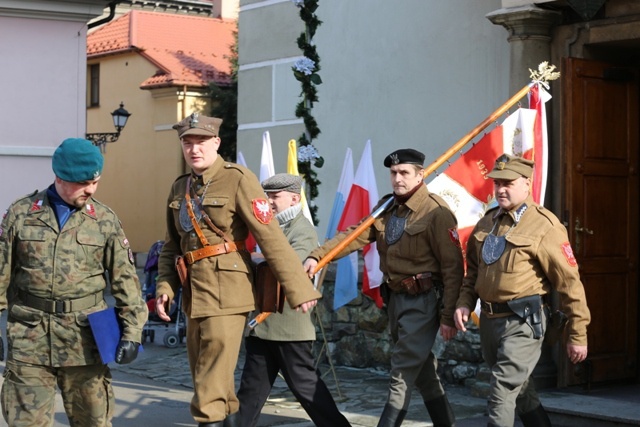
120,117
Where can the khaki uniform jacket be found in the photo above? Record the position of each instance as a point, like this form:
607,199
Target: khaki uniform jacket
38,258
222,284
292,325
429,244
537,259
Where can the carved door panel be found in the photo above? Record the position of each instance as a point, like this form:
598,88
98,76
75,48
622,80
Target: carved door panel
601,139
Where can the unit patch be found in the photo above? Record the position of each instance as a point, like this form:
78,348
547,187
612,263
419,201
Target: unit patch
37,205
568,254
454,236
262,210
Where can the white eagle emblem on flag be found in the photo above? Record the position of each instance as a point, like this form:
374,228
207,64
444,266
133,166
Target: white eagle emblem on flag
262,210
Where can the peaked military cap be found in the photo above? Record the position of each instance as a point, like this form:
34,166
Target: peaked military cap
197,124
77,160
282,182
405,156
511,167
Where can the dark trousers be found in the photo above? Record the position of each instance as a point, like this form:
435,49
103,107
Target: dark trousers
294,359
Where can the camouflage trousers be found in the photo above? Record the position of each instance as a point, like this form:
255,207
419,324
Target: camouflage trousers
28,395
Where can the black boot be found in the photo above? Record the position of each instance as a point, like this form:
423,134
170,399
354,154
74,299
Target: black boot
536,418
231,420
391,417
440,412
216,424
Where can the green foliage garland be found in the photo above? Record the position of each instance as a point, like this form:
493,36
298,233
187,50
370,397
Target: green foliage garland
305,71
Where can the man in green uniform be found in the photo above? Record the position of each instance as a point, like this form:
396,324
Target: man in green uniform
421,260
517,254
282,343
210,213
56,246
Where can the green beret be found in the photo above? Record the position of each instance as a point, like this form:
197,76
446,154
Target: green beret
282,182
511,167
77,160
197,124
404,156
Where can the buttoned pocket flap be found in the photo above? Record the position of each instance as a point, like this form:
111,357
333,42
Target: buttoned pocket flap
87,237
26,315
215,201
519,240
232,262
416,228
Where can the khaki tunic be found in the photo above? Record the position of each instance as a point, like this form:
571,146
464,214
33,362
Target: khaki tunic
537,259
38,258
222,284
429,244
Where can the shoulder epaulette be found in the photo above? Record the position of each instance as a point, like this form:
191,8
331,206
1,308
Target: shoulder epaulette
553,219
229,165
180,177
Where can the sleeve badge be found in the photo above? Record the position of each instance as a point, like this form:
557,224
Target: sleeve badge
454,236
262,210
568,254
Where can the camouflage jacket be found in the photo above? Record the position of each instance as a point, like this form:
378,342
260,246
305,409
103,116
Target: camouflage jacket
39,259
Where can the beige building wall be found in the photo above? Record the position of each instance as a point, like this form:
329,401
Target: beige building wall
413,73
141,166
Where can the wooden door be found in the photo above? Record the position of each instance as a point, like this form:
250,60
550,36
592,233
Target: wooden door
600,137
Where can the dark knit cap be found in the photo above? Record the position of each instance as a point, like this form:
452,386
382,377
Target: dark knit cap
77,160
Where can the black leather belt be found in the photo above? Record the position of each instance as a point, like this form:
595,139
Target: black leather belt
60,306
495,307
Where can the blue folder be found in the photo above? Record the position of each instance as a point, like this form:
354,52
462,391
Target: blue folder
106,332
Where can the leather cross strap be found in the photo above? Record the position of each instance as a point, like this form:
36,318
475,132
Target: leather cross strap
213,250
192,216
207,250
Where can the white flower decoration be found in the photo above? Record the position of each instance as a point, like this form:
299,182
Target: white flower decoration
307,153
305,65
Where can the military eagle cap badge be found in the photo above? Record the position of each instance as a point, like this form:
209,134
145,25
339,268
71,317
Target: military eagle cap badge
262,210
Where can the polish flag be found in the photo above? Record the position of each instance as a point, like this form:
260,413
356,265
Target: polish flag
346,284
361,200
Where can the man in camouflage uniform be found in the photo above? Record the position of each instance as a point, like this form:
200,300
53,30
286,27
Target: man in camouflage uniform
421,260
55,247
517,254
210,212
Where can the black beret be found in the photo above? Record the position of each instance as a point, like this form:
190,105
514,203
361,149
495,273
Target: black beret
404,156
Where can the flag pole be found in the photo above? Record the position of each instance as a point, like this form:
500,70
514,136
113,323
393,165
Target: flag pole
545,72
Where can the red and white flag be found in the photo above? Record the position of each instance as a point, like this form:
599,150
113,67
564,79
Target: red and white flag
464,184
361,200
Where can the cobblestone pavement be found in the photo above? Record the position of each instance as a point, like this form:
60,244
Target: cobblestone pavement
359,393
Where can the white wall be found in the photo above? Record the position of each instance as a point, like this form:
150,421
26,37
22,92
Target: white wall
43,51
411,73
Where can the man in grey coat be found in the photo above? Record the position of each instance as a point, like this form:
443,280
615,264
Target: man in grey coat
283,341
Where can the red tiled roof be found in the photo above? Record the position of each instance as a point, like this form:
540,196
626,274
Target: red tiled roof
188,50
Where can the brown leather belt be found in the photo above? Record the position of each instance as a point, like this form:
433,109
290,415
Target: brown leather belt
419,284
213,250
495,307
60,306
